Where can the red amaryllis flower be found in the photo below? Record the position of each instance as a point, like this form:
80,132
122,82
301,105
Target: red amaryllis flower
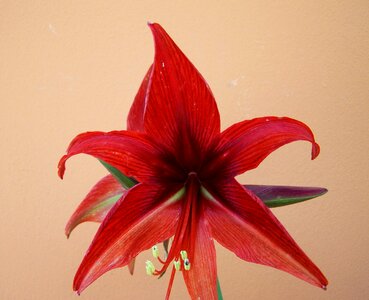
185,168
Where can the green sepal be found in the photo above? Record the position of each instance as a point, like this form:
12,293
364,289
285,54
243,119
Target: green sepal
126,182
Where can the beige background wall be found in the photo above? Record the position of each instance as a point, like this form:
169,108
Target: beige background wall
72,66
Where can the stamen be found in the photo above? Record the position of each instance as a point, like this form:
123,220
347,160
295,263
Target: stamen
183,254
177,264
155,251
186,228
170,283
187,264
150,268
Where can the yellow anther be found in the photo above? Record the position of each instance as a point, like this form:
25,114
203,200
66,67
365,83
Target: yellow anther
177,264
183,254
187,264
150,268
155,251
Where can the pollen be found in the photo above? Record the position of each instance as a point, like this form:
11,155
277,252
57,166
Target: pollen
155,251
177,265
187,264
150,268
183,254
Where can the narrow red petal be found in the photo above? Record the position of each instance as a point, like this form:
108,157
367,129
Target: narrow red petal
97,203
201,278
180,106
279,195
129,152
246,144
240,222
138,221
135,120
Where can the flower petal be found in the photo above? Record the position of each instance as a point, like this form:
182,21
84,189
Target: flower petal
138,221
135,120
97,203
240,222
131,153
179,106
244,145
201,278
279,195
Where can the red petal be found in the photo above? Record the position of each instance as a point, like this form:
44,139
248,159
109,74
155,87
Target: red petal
135,120
240,222
180,106
245,145
129,152
137,222
202,276
97,203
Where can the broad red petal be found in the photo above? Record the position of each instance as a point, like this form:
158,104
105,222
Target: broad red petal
201,278
180,107
243,224
139,220
135,120
246,144
97,203
129,152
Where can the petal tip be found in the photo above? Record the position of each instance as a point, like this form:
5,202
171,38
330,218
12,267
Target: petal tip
61,173
323,282
61,166
323,191
67,232
78,288
156,29
315,151
151,24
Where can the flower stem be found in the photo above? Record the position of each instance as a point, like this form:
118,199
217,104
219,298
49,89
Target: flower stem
219,291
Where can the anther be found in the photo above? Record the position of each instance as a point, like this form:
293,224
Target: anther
183,254
187,264
150,268
155,251
177,264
